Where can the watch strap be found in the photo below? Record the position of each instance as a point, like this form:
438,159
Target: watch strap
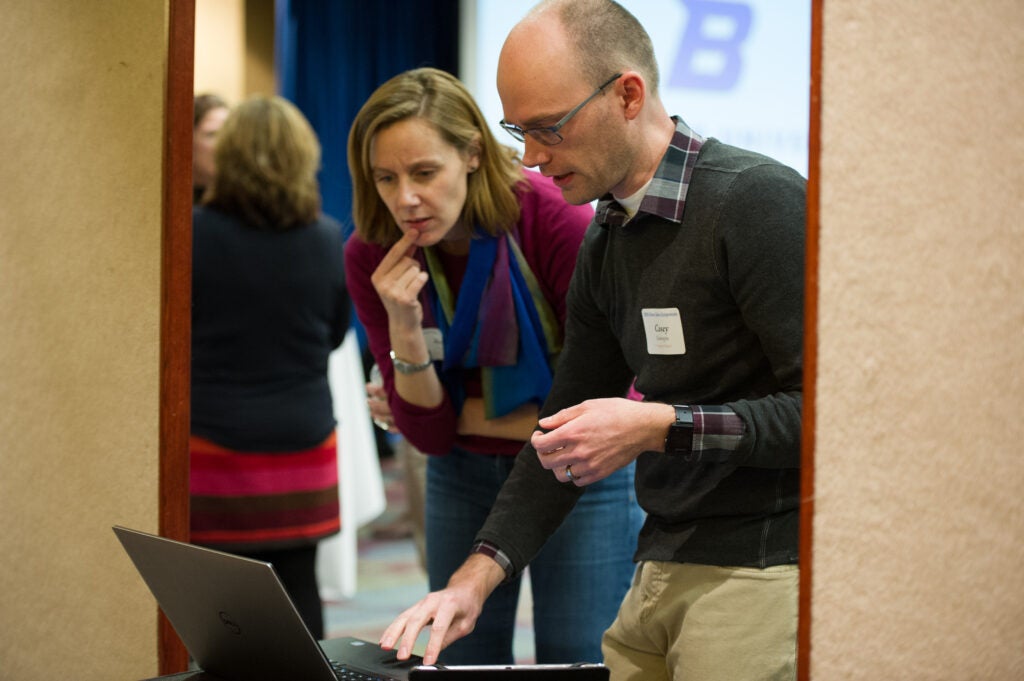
403,367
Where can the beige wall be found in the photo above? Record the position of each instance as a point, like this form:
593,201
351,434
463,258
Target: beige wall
919,525
234,48
259,47
80,230
220,48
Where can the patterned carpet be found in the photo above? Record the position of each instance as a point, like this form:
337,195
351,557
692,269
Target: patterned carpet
390,578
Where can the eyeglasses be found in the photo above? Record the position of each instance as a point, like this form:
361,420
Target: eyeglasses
550,135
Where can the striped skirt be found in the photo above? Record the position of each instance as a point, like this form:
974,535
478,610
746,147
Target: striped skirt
258,501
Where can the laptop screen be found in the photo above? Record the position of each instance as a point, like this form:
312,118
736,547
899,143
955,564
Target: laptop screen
236,619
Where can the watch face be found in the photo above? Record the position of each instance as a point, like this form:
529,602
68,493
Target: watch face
680,436
679,441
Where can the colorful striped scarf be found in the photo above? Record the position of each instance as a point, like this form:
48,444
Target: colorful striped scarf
500,322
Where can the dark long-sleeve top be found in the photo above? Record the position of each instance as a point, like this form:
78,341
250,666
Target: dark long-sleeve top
268,308
725,247
549,233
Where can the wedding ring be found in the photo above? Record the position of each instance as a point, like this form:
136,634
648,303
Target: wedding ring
568,474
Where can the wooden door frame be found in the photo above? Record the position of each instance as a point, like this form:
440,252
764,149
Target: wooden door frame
803,647
176,302
176,298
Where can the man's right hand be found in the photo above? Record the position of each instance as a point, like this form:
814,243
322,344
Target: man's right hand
451,612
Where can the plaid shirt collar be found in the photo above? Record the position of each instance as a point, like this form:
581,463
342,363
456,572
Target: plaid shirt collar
666,194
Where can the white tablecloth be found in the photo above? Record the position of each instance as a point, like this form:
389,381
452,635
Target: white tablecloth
360,486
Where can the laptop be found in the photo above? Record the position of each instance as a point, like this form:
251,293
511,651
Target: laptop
238,622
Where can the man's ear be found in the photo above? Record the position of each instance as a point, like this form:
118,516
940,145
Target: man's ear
632,91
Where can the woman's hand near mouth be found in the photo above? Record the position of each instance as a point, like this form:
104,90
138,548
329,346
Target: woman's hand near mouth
416,226
398,281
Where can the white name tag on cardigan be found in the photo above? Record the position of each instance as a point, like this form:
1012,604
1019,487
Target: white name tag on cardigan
435,343
664,328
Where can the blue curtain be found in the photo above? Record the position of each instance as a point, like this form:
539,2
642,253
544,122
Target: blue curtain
332,54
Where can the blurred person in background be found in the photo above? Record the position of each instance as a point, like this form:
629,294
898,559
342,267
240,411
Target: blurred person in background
269,305
209,111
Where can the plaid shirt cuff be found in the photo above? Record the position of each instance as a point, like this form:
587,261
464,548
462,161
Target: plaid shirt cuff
717,432
495,554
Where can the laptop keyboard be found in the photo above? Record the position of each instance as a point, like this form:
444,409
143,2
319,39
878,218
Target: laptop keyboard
346,673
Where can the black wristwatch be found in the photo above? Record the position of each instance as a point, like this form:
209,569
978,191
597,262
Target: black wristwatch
679,441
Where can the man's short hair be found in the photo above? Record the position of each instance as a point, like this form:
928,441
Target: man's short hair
606,39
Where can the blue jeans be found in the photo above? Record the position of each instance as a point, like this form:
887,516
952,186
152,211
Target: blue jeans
578,579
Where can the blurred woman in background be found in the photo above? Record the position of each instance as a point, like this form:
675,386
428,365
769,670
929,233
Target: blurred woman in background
269,305
209,112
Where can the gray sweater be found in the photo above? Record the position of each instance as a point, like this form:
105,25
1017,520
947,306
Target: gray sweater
734,268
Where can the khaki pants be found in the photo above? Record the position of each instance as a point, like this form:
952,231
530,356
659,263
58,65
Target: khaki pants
689,622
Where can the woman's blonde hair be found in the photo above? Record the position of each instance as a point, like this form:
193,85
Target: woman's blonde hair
267,158
440,99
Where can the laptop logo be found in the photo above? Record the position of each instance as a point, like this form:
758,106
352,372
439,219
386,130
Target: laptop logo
229,624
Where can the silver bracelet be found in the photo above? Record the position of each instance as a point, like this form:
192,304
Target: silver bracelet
403,367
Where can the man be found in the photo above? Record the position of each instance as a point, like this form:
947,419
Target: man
691,280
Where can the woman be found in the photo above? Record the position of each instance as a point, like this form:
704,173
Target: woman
458,268
208,114
268,306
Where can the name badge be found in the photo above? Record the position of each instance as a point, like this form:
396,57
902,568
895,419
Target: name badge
664,329
435,343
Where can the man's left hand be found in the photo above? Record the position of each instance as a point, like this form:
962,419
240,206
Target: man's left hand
592,440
